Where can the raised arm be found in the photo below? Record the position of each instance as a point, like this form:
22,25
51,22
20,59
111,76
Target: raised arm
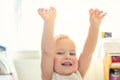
48,42
96,17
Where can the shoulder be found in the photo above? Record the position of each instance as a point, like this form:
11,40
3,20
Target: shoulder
78,75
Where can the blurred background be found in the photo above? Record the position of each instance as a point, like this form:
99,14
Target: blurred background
21,30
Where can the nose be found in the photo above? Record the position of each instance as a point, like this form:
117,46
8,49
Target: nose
67,56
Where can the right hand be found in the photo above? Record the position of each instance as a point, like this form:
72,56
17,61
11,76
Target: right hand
48,15
96,17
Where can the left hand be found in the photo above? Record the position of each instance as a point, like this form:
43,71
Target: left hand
48,15
96,17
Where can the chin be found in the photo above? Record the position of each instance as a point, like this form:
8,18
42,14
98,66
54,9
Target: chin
67,73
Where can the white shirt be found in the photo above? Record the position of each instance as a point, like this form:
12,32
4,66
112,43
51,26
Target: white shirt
74,76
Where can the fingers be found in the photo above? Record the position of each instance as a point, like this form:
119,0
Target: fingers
91,11
44,10
103,15
53,9
40,10
97,12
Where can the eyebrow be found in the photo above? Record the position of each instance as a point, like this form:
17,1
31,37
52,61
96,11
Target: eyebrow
65,50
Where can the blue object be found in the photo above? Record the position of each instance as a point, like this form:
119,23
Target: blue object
2,48
106,34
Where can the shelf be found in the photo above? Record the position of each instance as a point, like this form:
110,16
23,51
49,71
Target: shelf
108,64
115,65
111,58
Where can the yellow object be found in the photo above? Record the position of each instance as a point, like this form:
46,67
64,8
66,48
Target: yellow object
102,33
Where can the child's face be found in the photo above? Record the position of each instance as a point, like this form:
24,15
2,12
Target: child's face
65,61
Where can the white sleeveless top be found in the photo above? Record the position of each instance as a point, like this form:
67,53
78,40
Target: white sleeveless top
74,76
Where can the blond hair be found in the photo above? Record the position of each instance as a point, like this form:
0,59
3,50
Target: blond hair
62,36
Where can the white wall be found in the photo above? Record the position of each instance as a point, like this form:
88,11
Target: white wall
21,25
27,65
28,69
72,19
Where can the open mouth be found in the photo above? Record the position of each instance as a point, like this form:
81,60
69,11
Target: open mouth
67,64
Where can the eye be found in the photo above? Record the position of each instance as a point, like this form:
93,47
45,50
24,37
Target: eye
72,53
60,53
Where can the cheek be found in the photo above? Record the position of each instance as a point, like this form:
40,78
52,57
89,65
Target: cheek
56,63
76,63
56,60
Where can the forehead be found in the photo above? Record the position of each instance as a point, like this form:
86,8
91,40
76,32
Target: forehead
65,43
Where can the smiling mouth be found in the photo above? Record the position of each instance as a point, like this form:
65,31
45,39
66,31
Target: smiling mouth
67,64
